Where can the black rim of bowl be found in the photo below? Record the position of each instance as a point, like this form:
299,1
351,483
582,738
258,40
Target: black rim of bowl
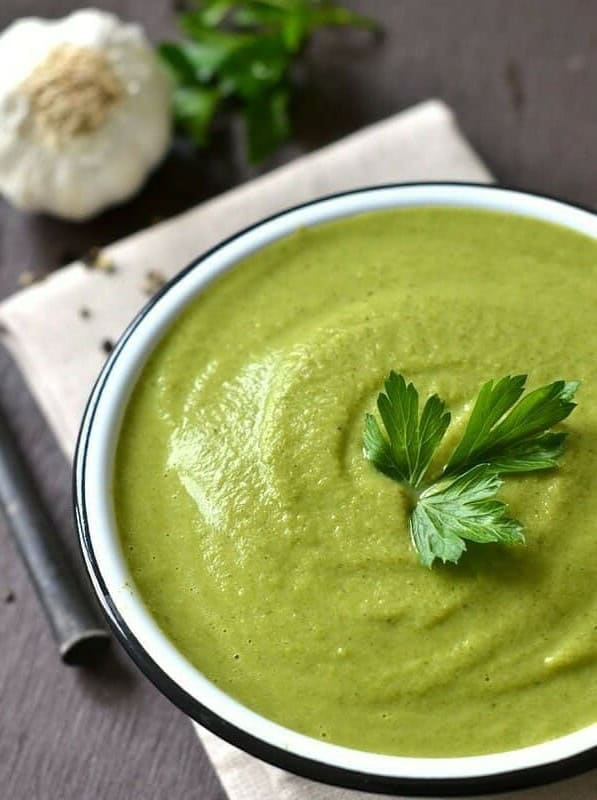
300,765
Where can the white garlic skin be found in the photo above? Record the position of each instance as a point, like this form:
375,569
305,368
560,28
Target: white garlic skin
78,176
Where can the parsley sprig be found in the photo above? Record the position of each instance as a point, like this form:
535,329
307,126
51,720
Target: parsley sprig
238,54
506,433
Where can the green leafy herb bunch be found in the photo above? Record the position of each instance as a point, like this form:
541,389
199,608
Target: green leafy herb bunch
238,55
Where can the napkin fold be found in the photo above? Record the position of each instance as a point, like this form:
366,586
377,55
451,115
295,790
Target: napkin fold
56,330
60,352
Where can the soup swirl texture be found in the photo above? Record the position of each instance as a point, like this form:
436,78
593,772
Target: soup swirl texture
277,559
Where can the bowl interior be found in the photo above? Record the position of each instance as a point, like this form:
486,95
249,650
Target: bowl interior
95,514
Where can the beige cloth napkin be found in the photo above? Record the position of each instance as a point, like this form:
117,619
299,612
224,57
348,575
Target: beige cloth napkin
60,352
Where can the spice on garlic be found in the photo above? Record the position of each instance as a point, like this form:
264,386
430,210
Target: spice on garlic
71,93
84,112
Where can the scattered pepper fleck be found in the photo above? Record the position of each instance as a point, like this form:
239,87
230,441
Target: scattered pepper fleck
27,278
107,345
9,597
96,258
84,312
153,282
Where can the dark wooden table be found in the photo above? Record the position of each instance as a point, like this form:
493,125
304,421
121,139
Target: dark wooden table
522,78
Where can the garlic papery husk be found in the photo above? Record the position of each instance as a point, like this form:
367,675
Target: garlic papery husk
85,112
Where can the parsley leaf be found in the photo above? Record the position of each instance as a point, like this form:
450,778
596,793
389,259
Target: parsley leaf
194,108
506,433
238,55
450,512
512,437
412,439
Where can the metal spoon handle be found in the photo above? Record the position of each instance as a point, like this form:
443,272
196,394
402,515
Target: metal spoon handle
74,621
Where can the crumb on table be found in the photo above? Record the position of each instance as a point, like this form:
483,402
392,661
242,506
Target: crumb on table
153,282
98,259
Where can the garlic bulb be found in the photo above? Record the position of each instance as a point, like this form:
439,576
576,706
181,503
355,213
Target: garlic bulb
84,112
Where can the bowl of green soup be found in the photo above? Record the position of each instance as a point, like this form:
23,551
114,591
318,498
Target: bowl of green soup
259,569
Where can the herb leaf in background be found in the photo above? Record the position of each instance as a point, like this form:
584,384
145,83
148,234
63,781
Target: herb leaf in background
238,55
505,433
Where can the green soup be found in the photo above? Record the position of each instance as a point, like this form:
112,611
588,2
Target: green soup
277,559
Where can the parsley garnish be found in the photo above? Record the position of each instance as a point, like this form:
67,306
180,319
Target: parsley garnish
238,54
506,433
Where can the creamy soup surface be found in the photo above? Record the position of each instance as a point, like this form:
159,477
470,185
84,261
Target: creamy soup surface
278,560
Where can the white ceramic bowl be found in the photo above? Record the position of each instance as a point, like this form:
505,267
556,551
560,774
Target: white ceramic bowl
158,657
